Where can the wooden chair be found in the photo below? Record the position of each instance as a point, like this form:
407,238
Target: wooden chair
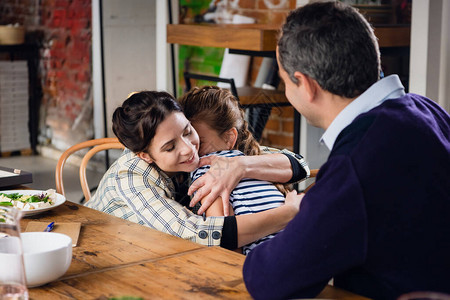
96,145
312,174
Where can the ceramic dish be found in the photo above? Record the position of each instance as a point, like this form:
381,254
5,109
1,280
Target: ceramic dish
46,255
60,199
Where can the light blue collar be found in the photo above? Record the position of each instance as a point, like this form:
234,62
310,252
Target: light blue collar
389,87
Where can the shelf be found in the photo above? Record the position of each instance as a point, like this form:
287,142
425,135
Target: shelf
252,37
393,36
260,37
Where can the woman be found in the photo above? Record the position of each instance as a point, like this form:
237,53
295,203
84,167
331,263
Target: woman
146,184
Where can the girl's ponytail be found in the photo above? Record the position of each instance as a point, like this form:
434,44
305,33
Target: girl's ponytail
245,142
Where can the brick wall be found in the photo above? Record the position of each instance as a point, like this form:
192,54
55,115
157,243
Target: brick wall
263,14
279,130
63,30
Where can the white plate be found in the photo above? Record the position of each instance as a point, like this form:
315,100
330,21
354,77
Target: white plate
60,199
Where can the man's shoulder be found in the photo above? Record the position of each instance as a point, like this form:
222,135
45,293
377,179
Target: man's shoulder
414,104
405,118
382,116
351,136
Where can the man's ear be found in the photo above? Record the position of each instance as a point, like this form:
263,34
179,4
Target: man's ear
308,85
145,156
230,137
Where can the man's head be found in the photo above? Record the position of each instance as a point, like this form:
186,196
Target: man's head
332,44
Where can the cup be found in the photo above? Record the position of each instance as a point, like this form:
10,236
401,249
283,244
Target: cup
12,273
424,295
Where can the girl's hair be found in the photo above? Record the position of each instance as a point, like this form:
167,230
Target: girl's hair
220,110
136,121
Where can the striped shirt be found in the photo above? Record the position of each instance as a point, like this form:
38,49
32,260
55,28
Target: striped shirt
249,196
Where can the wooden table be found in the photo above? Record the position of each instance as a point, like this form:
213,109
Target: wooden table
116,258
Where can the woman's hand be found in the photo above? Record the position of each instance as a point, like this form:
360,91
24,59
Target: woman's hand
222,177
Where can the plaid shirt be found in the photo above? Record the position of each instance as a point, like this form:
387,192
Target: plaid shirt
134,190
138,192
298,158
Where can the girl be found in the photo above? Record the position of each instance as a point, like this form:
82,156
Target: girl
144,184
228,136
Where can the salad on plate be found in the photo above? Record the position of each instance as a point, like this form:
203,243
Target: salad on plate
43,199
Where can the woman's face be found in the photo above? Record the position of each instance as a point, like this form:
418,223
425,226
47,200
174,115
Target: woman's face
174,147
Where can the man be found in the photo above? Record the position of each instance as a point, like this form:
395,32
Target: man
378,218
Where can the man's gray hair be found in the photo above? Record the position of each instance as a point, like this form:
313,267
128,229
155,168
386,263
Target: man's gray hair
332,43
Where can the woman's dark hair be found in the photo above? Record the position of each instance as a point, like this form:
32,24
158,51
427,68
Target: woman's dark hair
136,121
220,110
332,43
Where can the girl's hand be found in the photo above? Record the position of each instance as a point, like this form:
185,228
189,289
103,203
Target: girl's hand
294,200
222,177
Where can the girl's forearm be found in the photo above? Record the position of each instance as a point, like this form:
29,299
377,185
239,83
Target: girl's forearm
252,227
270,167
216,209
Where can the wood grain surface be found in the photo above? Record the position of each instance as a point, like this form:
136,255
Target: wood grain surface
260,37
115,258
253,37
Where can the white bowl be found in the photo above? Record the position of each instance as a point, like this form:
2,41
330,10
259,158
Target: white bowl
47,256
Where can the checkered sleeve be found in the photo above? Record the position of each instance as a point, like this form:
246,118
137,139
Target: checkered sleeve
153,206
302,164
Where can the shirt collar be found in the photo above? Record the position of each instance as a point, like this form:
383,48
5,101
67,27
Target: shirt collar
152,172
389,87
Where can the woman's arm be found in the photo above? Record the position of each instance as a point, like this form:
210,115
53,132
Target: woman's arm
139,192
226,172
271,167
252,227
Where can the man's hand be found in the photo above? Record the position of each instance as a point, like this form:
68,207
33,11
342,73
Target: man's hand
222,177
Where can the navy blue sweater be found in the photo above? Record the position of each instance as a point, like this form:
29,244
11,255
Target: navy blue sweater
377,219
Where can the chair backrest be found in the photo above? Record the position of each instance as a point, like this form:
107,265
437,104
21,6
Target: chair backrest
96,145
188,76
312,174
